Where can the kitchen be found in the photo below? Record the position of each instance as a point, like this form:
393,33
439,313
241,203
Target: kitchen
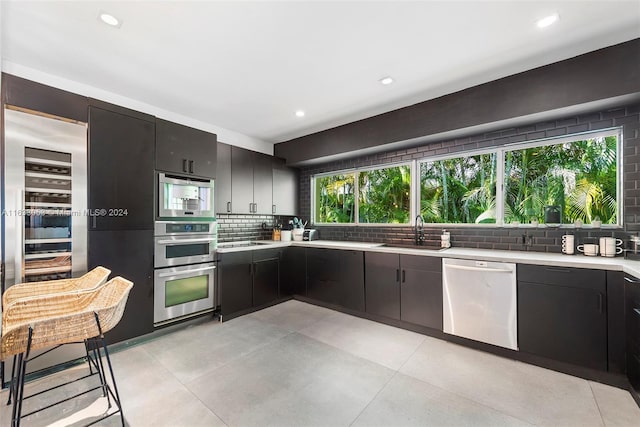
138,146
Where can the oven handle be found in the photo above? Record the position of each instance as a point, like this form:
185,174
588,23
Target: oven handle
182,273
183,241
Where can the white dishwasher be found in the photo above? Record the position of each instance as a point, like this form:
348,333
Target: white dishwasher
479,301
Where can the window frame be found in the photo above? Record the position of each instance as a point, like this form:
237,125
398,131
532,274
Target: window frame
500,152
356,190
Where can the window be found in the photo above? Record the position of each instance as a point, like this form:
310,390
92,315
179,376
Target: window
563,182
557,181
334,198
384,195
459,190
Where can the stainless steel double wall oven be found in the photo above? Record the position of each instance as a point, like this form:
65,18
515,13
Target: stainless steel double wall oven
185,244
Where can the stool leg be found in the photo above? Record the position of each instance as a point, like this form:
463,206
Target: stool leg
113,378
23,371
16,391
13,378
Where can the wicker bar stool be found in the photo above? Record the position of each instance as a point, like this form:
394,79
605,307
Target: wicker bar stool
24,302
86,318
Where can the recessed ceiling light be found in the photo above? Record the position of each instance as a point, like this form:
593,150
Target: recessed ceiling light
547,20
299,113
109,19
386,80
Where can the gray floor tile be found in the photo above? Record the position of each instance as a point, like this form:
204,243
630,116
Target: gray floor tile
616,406
292,315
151,395
296,381
406,401
197,350
383,344
527,392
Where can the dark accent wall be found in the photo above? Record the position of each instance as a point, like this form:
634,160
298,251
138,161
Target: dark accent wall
508,238
236,227
600,77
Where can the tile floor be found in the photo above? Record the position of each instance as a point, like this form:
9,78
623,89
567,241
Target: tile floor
296,364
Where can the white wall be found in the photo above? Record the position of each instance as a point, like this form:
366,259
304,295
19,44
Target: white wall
224,135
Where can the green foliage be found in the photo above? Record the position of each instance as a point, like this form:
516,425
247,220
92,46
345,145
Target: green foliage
335,199
384,195
579,177
459,190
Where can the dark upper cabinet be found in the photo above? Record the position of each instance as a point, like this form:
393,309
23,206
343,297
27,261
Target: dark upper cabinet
404,287
336,277
251,182
184,150
34,96
223,179
121,171
241,180
562,314
285,189
128,254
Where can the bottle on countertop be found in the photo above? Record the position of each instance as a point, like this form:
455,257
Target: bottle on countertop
445,239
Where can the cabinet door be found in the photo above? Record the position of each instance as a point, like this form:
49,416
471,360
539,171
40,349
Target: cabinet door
632,312
293,274
121,171
285,189
235,281
337,277
421,290
223,179
382,284
185,150
128,254
262,184
241,180
563,323
266,274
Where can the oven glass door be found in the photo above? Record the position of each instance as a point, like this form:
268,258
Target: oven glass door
180,250
181,291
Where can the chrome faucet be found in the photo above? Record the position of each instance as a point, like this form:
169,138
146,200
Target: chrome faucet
419,230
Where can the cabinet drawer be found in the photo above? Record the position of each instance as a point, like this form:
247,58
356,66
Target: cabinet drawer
424,263
563,276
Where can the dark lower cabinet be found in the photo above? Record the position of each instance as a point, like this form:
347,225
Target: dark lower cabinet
562,314
127,253
248,279
632,314
382,284
235,279
421,290
336,277
266,275
293,275
404,287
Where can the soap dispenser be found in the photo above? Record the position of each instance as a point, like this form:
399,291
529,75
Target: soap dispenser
445,239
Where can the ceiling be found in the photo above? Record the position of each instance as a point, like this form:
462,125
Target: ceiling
248,66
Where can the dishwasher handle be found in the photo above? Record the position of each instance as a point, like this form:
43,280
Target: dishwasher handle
470,268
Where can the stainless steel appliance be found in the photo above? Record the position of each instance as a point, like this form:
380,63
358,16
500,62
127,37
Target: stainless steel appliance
185,197
479,301
45,207
184,278
310,234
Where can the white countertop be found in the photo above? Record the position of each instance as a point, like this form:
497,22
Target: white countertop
539,258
